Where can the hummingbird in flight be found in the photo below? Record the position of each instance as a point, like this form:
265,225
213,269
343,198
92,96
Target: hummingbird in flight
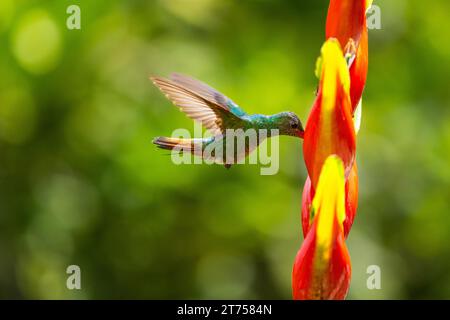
220,115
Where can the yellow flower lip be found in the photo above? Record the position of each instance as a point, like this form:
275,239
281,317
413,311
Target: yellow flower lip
334,69
329,204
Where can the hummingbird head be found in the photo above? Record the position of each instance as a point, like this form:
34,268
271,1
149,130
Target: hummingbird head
289,124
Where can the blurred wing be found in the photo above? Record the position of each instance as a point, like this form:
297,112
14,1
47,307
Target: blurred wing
207,93
200,102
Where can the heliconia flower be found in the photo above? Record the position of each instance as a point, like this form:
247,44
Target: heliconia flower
329,129
351,202
322,268
346,21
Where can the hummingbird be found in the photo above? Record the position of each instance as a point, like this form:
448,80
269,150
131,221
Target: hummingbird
220,116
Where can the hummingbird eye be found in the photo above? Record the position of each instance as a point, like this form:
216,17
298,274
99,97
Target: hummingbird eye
294,125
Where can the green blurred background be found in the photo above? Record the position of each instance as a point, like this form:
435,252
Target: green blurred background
81,183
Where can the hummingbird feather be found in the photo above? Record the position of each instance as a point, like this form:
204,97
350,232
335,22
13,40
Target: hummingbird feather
218,113
200,102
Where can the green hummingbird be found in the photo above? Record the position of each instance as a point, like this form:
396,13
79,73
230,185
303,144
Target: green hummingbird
220,116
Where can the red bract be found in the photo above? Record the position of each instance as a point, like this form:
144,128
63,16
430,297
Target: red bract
322,268
351,199
351,202
307,197
329,129
346,21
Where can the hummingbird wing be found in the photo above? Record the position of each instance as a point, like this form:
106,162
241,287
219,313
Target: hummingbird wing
200,102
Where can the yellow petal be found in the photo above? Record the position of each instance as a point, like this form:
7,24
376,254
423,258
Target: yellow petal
334,71
328,204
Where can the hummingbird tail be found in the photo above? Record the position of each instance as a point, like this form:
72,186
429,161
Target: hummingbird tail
193,146
178,144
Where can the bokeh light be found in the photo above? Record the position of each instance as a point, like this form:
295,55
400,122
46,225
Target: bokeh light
36,42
